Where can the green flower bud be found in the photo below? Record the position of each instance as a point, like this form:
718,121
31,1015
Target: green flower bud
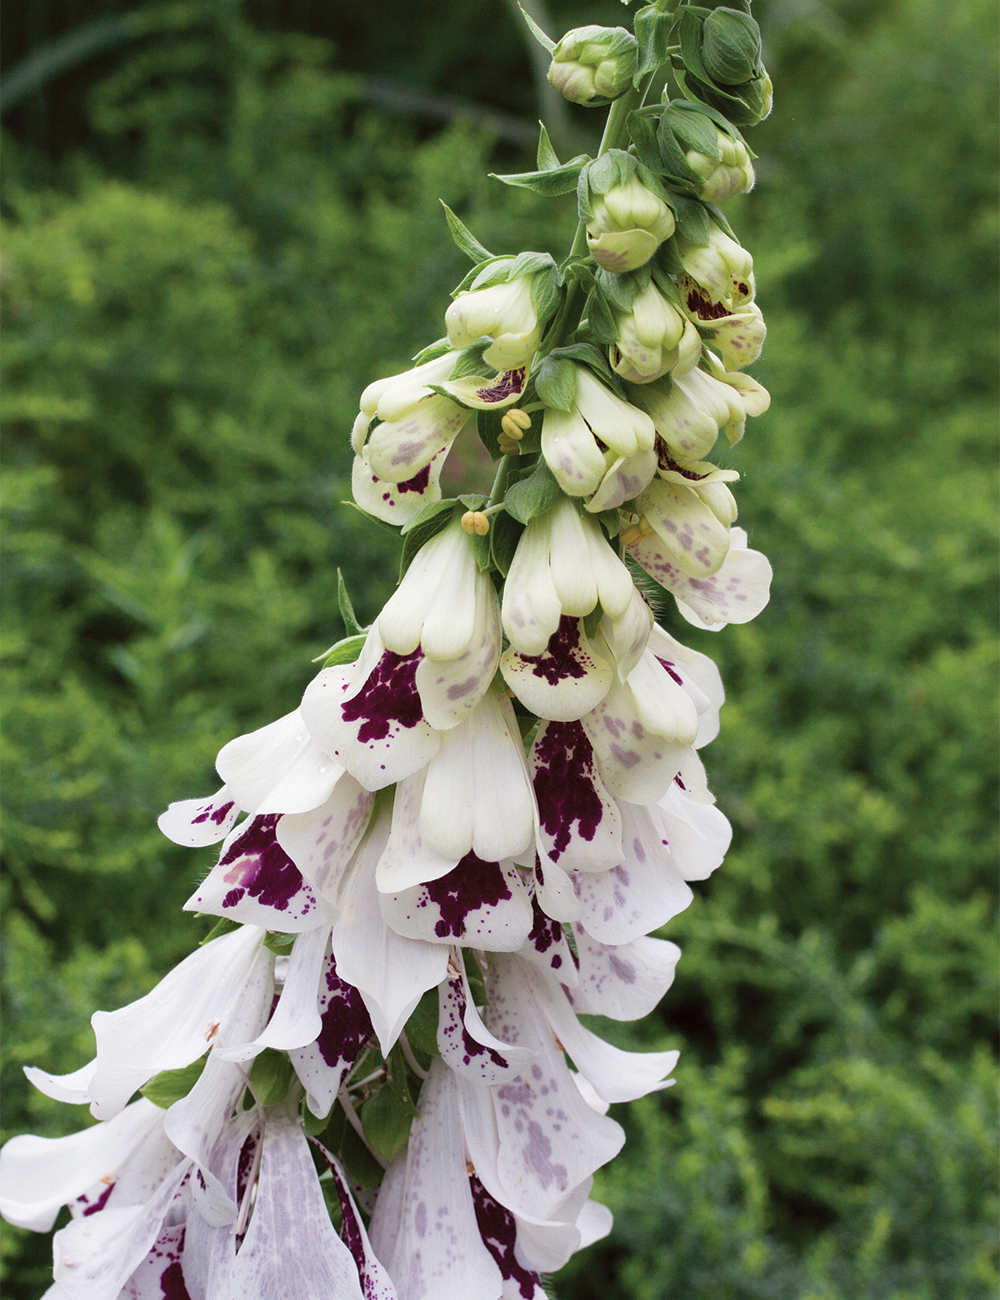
594,65
730,173
720,63
730,47
628,225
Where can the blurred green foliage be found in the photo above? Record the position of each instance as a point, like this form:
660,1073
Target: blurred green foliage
193,303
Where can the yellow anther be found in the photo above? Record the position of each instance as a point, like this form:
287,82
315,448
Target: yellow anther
474,521
521,418
507,446
512,430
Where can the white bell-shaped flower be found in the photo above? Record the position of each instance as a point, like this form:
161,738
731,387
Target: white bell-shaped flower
569,438
506,313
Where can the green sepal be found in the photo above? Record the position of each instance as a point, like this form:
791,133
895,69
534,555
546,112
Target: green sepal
693,221
372,519
271,1076
667,262
313,1124
168,1086
351,1151
600,322
610,521
342,652
470,362
432,519
488,427
642,129
529,730
422,1026
592,620
278,942
622,290
652,31
432,351
546,159
464,239
544,41
346,607
550,181
504,535
534,495
612,168
555,382
719,217
692,127
386,1121
594,358
224,925
730,47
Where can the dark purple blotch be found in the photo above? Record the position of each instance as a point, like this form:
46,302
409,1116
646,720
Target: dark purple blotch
345,1023
388,696
466,888
498,1229
565,785
261,867
558,662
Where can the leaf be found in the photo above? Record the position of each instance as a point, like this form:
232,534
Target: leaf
546,159
422,1026
610,521
346,607
595,359
642,129
599,319
592,620
693,129
470,362
544,41
271,1076
464,238
433,350
693,222
386,1122
313,1124
612,168
652,31
549,181
168,1086
343,652
555,382
432,519
534,495
279,943
225,925
504,537
351,1151
372,519
488,427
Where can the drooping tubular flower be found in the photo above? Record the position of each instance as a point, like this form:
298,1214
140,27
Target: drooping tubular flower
370,1081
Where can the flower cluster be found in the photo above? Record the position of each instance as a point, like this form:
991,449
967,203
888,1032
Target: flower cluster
371,1080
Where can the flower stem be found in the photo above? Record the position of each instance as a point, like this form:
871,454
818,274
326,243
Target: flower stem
500,482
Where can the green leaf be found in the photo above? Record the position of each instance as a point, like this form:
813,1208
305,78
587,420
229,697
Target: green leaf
386,1122
612,168
279,943
372,519
470,362
693,222
313,1124
546,159
422,1026
504,536
342,652
599,319
550,181
642,128
546,293
464,238
591,620
271,1076
730,47
168,1086
432,519
488,427
351,1151
544,41
610,521
595,359
534,495
652,31
692,128
477,985
433,350
555,382
224,925
346,607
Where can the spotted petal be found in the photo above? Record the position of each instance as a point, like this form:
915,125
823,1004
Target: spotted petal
345,1027
465,1044
279,768
196,823
579,824
399,449
622,981
478,904
568,679
322,842
397,503
736,594
634,762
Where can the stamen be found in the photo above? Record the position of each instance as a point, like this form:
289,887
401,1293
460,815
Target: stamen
474,521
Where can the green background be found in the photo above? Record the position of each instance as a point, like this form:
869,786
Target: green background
217,232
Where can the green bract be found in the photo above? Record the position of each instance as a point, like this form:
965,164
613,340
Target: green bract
720,62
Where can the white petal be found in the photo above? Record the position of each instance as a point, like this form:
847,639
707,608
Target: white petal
477,796
323,841
465,1044
579,824
549,1138
640,894
291,1248
345,1028
531,606
690,534
279,768
296,1020
407,860
569,678
571,452
622,981
624,480
614,582
73,1089
390,972
627,635
375,728
695,668
555,892
198,822
95,1257
160,1271
40,1175
634,763
450,689
570,553
375,1281
255,882
479,905
619,425
616,1075
437,1252
397,503
434,605
698,834
665,704
172,1025
398,450
736,594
